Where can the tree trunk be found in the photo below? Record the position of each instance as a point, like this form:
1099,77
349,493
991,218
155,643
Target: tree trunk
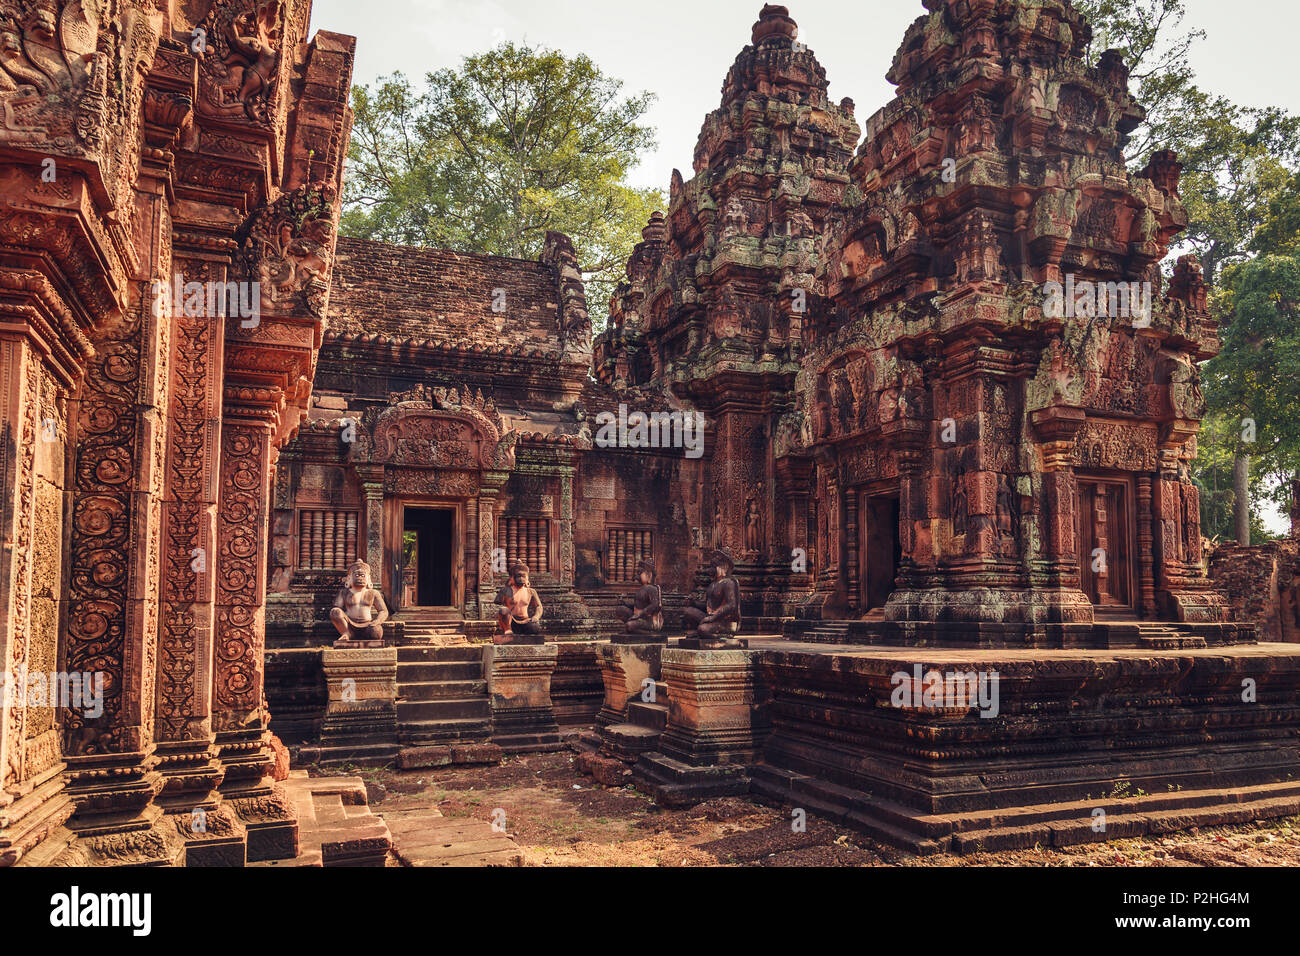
1241,496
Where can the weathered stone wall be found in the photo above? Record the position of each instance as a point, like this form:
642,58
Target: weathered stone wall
1262,583
141,425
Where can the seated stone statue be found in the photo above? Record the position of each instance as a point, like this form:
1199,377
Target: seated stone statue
520,618
718,619
643,613
359,611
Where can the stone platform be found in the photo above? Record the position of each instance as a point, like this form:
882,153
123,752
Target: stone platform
1081,744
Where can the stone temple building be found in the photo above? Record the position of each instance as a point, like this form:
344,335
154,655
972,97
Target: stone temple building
921,378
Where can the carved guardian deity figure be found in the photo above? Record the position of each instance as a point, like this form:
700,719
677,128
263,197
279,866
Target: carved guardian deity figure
520,618
719,617
643,614
359,611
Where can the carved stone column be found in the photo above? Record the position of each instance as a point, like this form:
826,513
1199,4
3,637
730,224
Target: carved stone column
1146,556
239,717
851,550
186,743
33,803
372,487
489,489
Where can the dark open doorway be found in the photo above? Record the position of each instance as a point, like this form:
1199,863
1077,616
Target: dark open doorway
427,552
880,549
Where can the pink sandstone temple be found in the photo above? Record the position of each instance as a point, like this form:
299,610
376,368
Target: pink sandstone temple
907,459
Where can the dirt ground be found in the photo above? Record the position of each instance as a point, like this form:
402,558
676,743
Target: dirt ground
559,817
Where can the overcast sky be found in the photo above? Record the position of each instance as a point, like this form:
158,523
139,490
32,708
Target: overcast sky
681,50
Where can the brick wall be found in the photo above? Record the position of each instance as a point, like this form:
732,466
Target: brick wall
443,296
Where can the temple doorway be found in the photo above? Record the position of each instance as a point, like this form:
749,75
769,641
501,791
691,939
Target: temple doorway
1106,543
880,550
428,537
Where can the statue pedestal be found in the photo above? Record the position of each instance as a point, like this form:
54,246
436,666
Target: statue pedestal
625,668
360,723
519,686
717,720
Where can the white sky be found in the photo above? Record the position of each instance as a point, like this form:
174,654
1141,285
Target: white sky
680,50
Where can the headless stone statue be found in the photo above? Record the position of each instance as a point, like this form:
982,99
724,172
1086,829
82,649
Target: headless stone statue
359,611
520,618
713,624
642,614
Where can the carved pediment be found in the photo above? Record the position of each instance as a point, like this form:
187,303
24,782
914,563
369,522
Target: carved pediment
439,428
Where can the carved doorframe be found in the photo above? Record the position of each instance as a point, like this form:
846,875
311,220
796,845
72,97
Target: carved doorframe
1128,526
394,525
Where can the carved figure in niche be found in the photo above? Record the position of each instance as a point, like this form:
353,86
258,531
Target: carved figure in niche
960,509
842,398
1006,508
822,413
642,614
719,617
753,527
520,618
251,39
860,382
735,222
359,611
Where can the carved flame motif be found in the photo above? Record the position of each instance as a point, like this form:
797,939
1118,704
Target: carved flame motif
287,248
242,56
47,59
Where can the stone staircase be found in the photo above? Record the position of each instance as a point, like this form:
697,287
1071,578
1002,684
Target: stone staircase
335,825
609,755
828,632
441,701
1122,632
439,628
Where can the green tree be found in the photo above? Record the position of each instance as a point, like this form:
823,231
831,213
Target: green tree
1253,385
1239,188
488,157
1236,160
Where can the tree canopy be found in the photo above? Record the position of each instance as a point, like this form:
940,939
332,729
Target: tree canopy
489,157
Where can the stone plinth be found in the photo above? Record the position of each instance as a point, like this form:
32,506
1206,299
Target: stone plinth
716,713
360,722
577,688
717,718
624,668
519,686
1155,741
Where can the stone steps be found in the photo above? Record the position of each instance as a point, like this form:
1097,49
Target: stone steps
434,690
1055,824
424,837
650,716
441,696
335,824
828,632
424,672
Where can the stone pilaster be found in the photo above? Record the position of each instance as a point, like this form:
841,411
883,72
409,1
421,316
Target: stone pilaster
625,668
492,482
360,722
519,686
239,717
372,487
